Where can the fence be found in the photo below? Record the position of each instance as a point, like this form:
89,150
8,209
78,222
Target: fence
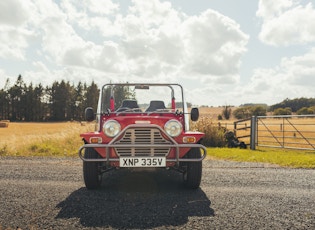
292,131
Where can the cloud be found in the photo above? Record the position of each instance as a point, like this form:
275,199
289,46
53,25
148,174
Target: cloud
14,12
15,34
154,39
286,22
13,42
300,69
214,44
268,9
292,78
148,41
93,15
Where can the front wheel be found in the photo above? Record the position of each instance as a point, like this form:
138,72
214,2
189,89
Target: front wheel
91,170
193,172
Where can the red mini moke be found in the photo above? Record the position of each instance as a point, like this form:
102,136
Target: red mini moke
142,126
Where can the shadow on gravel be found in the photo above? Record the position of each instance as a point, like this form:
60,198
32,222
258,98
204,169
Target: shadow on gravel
133,199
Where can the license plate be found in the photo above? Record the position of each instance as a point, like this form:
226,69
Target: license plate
142,161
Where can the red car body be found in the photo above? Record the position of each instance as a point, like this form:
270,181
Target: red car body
135,136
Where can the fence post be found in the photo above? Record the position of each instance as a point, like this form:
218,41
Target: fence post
253,130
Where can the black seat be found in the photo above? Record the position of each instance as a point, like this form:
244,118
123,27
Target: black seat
155,105
129,104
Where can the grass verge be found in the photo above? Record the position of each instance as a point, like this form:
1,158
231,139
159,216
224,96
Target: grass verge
281,157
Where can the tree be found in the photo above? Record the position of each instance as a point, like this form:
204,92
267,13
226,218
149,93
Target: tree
3,106
17,100
258,111
294,104
226,113
29,109
60,102
305,111
77,102
242,113
120,93
91,96
5,101
282,111
39,103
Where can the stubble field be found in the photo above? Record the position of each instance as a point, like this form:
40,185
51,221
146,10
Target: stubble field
39,138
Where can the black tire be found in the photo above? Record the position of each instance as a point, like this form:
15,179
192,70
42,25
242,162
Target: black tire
193,172
91,170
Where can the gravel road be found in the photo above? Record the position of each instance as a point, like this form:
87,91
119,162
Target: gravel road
48,193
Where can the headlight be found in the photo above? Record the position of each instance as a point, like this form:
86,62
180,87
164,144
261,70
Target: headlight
173,128
111,128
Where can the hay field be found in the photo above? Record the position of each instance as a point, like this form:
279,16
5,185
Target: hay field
213,112
24,138
209,115
290,132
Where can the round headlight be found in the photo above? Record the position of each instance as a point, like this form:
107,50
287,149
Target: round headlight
111,128
173,128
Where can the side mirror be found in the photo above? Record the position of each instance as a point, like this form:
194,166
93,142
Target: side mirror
89,114
194,114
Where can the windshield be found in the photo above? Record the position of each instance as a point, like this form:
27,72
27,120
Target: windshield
148,98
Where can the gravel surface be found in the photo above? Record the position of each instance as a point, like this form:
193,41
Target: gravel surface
49,193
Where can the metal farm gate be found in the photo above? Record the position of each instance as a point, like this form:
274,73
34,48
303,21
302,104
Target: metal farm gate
291,131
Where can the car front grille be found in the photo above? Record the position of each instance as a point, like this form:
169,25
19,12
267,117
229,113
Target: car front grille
142,136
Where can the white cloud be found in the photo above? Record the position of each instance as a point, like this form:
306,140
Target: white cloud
15,34
286,22
213,44
14,12
93,15
151,41
292,78
268,9
13,42
301,69
152,13
102,7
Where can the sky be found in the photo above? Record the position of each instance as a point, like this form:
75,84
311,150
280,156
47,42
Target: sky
229,52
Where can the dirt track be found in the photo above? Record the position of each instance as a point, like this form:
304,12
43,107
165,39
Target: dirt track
47,193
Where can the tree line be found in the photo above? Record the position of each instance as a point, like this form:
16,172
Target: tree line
299,106
61,101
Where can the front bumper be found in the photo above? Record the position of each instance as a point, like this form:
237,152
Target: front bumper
152,140
176,146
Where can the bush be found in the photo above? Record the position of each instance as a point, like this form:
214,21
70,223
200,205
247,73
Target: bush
258,111
282,111
214,135
242,113
305,111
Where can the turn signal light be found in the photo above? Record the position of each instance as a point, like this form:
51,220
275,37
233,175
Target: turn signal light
189,139
96,140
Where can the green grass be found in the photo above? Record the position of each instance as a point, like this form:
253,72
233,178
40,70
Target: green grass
281,157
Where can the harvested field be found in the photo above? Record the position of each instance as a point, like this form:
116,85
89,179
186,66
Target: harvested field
19,136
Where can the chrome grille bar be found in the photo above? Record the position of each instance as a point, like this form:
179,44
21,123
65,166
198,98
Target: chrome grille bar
142,136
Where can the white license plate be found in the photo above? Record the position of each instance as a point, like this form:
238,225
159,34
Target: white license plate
142,161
